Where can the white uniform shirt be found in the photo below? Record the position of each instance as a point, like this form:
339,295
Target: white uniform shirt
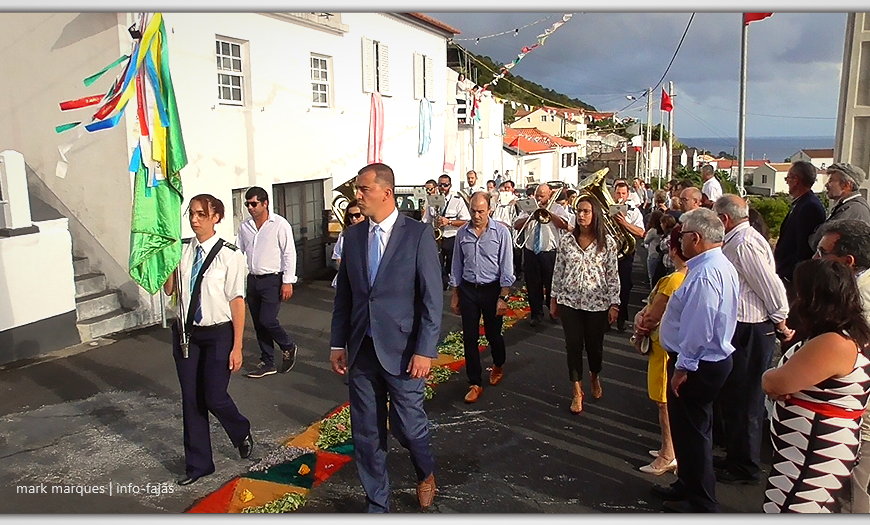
712,188
270,249
550,234
454,208
223,281
634,216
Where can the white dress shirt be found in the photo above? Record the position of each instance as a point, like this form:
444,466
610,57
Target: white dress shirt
223,281
762,294
550,234
386,230
454,208
712,188
270,249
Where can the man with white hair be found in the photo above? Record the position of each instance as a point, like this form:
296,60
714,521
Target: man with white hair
762,310
848,241
842,186
697,330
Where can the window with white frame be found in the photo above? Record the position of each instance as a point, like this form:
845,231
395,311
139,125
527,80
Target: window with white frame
321,81
230,75
543,118
552,118
424,77
376,66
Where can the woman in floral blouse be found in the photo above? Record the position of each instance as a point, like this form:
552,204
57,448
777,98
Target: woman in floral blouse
585,294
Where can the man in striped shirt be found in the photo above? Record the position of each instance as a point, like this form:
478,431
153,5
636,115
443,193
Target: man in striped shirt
762,310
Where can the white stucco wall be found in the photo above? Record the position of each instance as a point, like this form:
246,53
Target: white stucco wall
36,275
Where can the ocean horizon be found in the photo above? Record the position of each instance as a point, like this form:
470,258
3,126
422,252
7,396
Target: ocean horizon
775,149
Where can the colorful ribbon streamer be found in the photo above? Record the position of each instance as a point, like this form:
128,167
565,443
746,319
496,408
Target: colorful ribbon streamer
93,78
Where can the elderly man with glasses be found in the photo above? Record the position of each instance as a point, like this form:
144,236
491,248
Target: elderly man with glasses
842,187
697,330
266,239
848,241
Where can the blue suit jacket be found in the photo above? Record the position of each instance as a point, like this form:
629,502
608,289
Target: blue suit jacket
403,306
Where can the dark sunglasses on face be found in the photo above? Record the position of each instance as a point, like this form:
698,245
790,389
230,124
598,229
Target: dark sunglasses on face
444,184
251,204
356,215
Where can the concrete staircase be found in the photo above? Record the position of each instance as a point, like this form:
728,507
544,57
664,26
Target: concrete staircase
98,308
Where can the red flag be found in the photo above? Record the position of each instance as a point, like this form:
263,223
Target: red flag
754,17
667,104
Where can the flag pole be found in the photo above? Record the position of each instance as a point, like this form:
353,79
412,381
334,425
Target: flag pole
741,126
648,152
671,131
661,144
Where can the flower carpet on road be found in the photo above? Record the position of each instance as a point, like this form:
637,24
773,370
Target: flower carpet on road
281,481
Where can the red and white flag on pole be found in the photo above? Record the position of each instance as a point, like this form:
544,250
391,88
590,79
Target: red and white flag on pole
667,104
754,17
637,142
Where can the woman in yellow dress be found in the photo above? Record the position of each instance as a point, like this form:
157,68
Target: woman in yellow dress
647,324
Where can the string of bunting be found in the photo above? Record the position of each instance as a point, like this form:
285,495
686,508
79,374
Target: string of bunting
516,32
542,38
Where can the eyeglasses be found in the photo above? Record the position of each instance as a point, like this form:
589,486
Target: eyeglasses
688,231
251,204
444,184
820,253
355,215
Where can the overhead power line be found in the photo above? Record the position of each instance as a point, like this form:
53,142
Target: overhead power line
515,31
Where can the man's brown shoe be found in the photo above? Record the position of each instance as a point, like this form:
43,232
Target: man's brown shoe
496,375
426,491
474,392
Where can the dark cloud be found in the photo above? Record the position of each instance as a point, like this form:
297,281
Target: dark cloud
794,64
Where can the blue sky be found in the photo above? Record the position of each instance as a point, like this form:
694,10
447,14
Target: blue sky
795,60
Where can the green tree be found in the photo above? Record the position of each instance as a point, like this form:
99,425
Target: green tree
772,209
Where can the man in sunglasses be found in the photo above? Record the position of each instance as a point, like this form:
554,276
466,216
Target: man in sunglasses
266,239
452,215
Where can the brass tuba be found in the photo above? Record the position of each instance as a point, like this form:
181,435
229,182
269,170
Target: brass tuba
347,192
594,185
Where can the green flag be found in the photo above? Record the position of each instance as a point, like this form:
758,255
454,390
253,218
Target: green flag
155,237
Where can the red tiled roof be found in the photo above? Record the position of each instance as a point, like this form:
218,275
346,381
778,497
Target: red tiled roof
436,23
524,145
819,153
724,164
546,137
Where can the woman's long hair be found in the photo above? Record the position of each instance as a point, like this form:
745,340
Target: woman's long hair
827,300
597,225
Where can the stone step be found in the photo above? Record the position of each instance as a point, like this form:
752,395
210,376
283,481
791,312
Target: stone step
91,306
90,284
81,266
111,323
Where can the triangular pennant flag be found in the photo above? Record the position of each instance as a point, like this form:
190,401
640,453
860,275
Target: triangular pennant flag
754,17
667,104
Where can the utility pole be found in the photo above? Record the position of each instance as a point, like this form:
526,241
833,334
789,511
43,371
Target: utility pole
648,149
741,127
670,134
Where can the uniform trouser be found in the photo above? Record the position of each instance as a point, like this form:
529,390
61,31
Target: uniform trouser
624,266
538,270
690,416
446,257
370,388
204,377
474,301
518,262
742,398
583,330
264,301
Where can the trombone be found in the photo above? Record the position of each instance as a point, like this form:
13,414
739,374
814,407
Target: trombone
542,215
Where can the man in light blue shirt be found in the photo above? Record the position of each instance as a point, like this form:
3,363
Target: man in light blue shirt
696,330
481,276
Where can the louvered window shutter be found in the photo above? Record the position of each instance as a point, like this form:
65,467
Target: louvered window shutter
368,65
430,80
418,76
383,69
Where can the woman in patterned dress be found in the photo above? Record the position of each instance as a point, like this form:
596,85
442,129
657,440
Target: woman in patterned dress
821,387
585,294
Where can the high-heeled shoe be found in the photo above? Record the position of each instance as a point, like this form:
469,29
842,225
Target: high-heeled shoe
577,404
596,386
650,469
654,453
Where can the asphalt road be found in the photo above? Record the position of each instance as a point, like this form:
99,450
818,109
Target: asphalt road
76,423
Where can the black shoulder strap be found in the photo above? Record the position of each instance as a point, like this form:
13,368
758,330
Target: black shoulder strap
195,292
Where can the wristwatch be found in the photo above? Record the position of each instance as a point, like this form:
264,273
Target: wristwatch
504,297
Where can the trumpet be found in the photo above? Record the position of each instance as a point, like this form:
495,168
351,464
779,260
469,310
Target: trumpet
436,228
542,215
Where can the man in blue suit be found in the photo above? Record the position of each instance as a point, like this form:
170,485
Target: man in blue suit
386,322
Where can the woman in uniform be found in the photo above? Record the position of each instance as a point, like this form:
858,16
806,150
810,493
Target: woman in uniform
214,337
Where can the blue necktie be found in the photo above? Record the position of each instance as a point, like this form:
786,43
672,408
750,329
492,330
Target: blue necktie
197,266
538,241
374,253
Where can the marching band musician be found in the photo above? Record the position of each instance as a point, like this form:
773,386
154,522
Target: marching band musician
214,339
632,221
451,217
539,251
